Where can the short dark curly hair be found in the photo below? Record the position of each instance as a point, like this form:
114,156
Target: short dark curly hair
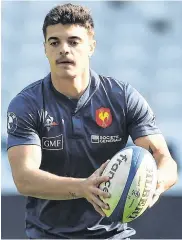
69,14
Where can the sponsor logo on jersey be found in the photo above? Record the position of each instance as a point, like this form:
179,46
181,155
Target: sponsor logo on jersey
103,117
12,122
47,119
53,143
105,139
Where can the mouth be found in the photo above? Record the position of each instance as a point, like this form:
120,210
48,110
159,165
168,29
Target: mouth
66,62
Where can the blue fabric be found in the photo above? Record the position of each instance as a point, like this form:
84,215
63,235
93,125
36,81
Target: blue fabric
75,140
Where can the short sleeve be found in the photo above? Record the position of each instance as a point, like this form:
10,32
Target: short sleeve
22,123
140,117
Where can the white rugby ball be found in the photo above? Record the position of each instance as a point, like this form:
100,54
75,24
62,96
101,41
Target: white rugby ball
133,181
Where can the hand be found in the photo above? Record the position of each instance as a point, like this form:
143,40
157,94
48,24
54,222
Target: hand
91,191
159,190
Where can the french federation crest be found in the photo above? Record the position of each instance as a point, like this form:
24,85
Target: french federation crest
103,117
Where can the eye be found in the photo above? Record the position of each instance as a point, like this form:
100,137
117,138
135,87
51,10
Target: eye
54,44
74,43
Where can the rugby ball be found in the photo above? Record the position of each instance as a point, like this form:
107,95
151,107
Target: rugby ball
133,181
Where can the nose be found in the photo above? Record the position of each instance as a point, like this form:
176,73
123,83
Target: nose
64,49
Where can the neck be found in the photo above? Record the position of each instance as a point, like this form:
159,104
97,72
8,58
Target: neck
72,87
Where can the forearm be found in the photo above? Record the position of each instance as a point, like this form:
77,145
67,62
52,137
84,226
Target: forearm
167,167
44,185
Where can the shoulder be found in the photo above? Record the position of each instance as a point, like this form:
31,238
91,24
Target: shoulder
33,90
33,86
110,81
29,97
120,89
121,85
115,86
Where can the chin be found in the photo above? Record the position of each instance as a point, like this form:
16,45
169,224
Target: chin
67,74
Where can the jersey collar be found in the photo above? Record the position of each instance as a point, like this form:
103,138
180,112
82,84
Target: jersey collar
85,97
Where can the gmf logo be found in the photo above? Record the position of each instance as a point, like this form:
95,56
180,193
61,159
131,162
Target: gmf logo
103,117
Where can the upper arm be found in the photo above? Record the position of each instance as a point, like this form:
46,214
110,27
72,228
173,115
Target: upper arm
156,143
22,122
142,126
23,143
140,118
23,158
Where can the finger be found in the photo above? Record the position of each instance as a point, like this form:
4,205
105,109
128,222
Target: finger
156,195
98,209
99,202
154,200
101,193
102,167
98,180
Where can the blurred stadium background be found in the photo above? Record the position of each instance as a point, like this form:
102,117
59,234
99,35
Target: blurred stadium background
138,42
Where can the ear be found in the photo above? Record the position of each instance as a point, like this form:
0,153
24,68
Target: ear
92,47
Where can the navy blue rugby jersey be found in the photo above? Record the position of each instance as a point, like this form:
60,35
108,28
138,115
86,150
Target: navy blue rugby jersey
76,137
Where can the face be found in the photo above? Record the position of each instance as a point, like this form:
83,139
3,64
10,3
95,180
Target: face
68,48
